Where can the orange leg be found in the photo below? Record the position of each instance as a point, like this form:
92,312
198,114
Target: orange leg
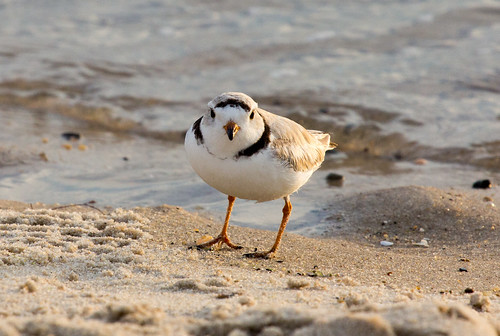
287,210
223,237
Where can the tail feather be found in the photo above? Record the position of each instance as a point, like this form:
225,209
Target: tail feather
324,138
332,145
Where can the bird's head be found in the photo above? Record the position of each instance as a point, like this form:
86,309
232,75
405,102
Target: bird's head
233,121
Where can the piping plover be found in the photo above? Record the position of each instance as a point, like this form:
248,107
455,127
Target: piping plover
246,152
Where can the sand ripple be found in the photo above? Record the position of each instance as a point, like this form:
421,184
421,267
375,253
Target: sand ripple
47,236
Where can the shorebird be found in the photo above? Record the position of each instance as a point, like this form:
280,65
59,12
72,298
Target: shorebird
246,152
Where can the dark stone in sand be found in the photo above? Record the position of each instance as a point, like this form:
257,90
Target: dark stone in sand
462,269
482,184
335,180
468,290
71,136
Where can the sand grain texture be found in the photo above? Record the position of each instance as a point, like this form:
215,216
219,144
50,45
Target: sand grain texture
77,271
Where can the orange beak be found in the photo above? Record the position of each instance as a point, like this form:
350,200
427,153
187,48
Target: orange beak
231,129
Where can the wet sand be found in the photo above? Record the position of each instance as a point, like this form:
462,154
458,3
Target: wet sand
84,271
393,82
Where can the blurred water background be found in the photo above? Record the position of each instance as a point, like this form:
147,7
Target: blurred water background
409,89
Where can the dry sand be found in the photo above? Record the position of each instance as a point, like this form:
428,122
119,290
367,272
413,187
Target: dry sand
80,271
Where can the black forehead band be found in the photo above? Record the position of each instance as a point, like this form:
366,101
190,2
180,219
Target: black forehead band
232,101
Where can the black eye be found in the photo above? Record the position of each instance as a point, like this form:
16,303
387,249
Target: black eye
212,113
251,115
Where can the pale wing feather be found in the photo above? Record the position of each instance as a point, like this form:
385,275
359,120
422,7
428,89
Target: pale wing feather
324,138
302,149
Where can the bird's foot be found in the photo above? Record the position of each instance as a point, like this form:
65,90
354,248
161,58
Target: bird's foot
219,240
260,255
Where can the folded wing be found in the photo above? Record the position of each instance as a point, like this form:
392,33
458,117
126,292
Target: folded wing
301,149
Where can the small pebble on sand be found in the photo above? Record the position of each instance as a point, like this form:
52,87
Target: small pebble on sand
335,180
422,243
71,136
482,184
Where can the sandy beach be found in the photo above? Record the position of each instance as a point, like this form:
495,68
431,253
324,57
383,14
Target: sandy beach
79,270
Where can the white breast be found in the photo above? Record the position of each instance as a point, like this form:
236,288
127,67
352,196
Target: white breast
261,177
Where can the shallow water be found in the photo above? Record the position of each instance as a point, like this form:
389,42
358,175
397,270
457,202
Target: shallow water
393,81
